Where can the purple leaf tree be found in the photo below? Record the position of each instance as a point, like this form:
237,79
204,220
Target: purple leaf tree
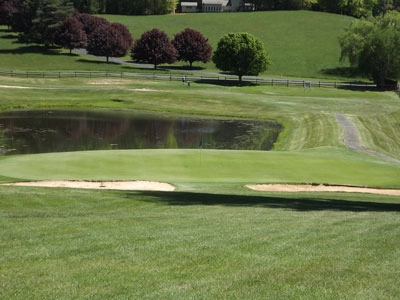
192,46
154,47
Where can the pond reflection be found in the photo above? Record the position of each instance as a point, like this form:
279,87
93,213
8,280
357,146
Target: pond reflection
59,131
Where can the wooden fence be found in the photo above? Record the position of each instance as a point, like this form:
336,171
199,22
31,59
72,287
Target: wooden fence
192,78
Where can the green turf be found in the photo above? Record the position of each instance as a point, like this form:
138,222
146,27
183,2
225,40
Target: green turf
187,168
63,244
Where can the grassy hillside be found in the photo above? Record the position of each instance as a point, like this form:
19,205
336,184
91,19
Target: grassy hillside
300,43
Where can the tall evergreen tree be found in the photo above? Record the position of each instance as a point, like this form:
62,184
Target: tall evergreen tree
49,15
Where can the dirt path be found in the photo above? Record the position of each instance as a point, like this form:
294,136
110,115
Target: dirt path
351,139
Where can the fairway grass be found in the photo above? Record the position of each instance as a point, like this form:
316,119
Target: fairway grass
66,243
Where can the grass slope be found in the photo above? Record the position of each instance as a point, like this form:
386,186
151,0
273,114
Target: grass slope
300,43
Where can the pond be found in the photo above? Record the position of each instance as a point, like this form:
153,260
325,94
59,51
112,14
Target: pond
59,131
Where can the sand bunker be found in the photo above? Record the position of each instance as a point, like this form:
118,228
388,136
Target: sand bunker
291,188
139,185
107,185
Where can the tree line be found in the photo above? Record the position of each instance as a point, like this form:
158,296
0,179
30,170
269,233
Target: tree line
102,38
357,8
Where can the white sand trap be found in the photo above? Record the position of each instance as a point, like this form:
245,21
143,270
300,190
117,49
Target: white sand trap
136,185
291,188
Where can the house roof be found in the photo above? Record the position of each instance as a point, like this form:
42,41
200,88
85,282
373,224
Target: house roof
188,3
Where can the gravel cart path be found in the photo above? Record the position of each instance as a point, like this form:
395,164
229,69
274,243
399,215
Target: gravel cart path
352,140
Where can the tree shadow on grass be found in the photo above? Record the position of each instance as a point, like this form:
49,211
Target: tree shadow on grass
10,36
97,62
182,68
347,72
357,84
32,49
225,82
298,204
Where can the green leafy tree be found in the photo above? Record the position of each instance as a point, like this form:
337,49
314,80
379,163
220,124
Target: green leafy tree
241,54
374,47
89,6
383,6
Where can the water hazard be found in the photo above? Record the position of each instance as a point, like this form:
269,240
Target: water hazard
60,131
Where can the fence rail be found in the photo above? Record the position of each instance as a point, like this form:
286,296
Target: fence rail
190,78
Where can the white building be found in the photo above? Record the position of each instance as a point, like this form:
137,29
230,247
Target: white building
189,7
209,6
